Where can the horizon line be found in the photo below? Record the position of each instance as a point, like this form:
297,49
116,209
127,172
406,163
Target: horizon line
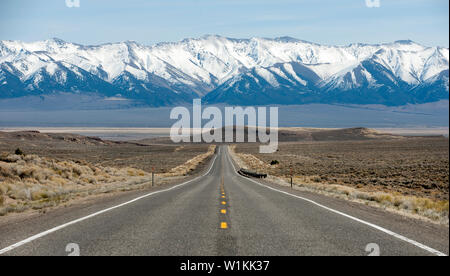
206,36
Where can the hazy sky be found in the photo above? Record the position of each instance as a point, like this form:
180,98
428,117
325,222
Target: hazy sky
335,22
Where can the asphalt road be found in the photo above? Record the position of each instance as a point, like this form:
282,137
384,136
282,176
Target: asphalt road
223,213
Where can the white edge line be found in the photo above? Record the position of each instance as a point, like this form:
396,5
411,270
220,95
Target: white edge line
398,236
45,233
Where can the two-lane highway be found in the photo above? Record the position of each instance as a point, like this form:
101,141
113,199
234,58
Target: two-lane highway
219,213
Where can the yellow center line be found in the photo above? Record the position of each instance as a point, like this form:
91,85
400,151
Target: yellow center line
223,225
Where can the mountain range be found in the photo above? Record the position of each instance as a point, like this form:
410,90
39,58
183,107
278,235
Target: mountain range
254,71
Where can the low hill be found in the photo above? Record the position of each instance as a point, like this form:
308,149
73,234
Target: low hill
302,134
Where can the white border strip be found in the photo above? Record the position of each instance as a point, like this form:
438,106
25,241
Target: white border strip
398,236
45,233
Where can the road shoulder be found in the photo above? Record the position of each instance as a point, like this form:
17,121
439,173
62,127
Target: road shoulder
430,234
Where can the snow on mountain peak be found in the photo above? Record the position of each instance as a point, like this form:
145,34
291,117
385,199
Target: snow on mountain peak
200,65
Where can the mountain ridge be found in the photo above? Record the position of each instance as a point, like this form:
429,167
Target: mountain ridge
282,70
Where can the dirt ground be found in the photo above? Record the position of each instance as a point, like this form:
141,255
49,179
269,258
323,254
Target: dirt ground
417,166
40,171
138,155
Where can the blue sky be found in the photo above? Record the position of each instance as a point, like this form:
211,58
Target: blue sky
335,22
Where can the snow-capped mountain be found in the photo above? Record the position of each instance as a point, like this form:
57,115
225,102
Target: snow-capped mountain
235,71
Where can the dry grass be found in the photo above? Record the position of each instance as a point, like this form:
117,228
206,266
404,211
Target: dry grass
410,166
432,209
30,181
191,164
144,155
34,182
